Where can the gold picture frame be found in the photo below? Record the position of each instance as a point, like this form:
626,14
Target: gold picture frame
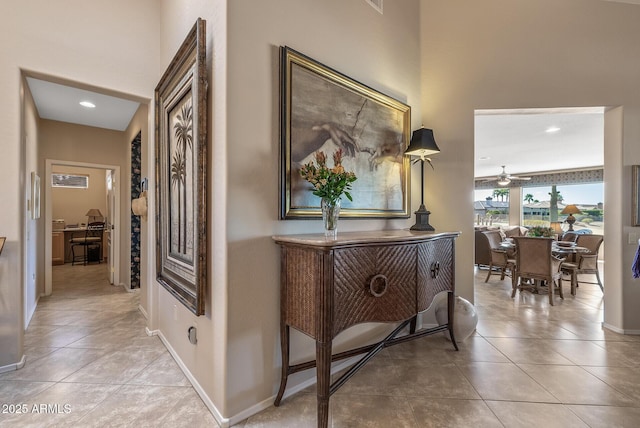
322,109
181,173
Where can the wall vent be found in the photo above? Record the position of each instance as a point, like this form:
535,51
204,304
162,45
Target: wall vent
376,4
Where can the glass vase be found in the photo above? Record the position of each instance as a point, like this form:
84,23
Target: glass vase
330,216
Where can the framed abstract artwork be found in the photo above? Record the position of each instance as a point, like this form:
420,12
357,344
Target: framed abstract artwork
324,110
181,172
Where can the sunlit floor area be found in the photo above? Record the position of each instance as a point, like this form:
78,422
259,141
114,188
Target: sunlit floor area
91,363
528,365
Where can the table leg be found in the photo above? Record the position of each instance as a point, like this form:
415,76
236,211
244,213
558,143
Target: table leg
450,310
323,368
284,347
412,326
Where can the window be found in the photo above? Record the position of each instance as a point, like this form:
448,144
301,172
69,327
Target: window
491,207
73,181
539,209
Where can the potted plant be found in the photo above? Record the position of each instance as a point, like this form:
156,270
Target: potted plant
541,232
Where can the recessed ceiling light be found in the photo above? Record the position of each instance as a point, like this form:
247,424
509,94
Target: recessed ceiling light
87,104
552,129
484,158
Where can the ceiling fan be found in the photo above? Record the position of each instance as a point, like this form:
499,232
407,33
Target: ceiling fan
503,179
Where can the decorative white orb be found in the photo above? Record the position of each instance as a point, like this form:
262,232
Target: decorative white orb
465,318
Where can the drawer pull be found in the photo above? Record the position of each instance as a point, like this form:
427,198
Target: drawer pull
378,285
435,269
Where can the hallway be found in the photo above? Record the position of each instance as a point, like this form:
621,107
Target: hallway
90,359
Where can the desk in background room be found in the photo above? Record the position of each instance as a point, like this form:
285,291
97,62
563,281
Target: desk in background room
61,247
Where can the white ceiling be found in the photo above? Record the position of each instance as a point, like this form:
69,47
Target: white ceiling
518,140
59,102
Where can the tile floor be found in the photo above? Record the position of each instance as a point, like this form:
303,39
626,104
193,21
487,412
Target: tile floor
90,359
528,365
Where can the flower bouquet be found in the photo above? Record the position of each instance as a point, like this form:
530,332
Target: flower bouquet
329,184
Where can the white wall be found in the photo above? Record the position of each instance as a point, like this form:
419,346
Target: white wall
111,45
499,54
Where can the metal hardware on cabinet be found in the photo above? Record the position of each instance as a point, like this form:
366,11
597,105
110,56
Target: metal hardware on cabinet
378,285
435,269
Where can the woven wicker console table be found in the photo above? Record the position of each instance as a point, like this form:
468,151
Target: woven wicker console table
330,285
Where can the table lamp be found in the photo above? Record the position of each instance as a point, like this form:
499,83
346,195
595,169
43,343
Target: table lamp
422,144
571,210
556,226
92,214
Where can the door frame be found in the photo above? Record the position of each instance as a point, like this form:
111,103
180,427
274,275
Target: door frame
48,226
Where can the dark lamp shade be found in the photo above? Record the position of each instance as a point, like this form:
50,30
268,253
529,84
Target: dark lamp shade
571,209
93,212
422,143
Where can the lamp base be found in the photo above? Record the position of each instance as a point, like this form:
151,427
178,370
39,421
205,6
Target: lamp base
422,220
570,220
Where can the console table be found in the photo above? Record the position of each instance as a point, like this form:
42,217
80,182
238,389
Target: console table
382,276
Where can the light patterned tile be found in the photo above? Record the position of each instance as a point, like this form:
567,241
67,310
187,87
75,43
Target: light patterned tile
436,413
504,381
608,416
574,385
525,415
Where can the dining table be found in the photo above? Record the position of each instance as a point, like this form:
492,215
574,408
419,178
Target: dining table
564,250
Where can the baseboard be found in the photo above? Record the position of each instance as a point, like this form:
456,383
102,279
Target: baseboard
265,404
14,366
257,408
620,330
143,311
222,422
27,321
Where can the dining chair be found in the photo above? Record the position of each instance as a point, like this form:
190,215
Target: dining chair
500,259
90,243
569,236
536,265
585,263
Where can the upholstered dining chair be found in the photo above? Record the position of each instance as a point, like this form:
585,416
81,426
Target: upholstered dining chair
585,263
536,265
89,243
500,260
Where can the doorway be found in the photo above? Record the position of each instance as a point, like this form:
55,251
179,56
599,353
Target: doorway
112,202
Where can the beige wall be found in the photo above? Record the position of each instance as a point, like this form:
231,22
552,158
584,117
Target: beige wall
34,271
236,360
498,54
77,143
71,205
206,360
113,45
381,51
